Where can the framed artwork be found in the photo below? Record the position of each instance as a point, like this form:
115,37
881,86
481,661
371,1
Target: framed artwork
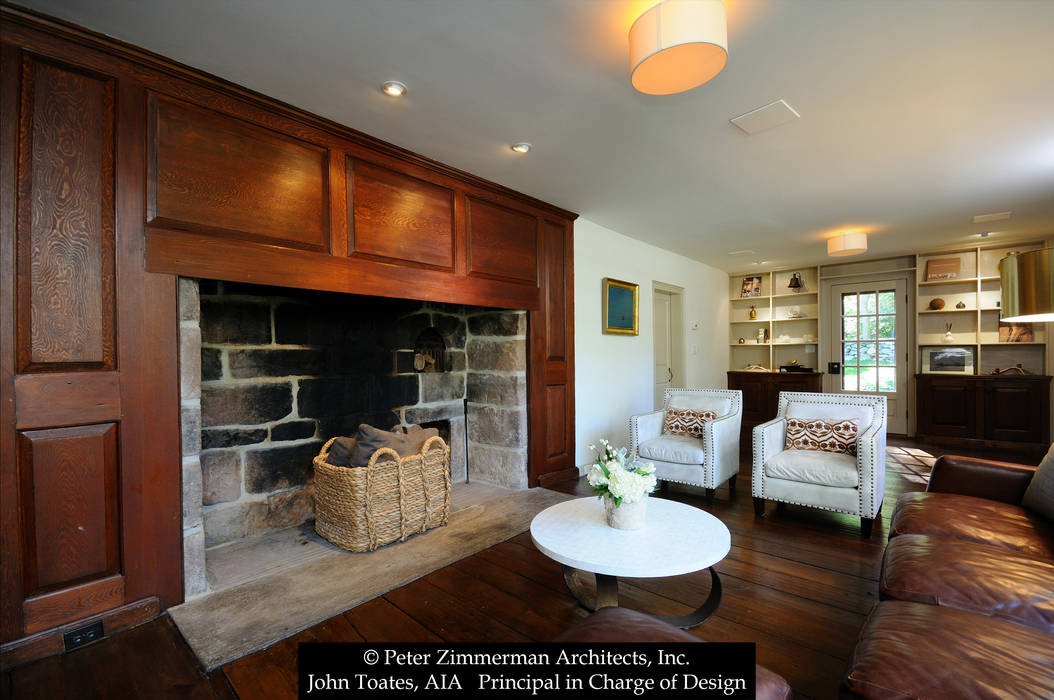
751,286
1015,332
943,269
952,359
620,307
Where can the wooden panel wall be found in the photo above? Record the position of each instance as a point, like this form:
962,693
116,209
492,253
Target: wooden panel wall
90,519
66,216
213,173
120,170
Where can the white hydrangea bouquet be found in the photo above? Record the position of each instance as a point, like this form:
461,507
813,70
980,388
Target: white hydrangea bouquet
623,485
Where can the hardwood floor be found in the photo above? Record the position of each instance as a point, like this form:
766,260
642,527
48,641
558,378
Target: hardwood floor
798,582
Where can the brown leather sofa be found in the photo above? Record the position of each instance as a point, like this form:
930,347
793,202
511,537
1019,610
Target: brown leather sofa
624,625
967,591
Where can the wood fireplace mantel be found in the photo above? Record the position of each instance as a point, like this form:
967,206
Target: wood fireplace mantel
122,169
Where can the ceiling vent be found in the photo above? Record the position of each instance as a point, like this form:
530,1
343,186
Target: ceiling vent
997,216
768,117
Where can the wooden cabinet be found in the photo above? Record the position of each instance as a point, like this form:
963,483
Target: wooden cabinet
984,411
121,170
761,395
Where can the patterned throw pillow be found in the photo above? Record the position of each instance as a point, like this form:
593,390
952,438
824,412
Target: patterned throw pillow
821,435
685,421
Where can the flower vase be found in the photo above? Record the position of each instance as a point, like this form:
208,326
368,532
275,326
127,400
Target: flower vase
628,516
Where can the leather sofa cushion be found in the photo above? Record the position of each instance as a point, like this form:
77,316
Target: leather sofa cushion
625,625
814,467
912,650
974,519
978,577
680,449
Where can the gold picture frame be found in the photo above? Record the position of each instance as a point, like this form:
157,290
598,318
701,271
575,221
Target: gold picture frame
620,307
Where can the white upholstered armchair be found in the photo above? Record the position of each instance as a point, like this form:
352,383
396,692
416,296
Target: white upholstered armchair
823,479
707,461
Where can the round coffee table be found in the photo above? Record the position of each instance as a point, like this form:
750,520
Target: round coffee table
677,539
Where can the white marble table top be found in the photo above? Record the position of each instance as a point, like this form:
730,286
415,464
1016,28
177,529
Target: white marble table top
677,539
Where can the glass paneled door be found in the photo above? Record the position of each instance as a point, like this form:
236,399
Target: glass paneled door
867,322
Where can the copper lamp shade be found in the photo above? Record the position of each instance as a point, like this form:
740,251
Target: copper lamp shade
678,45
1028,286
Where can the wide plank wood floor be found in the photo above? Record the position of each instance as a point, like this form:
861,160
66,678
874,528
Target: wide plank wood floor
798,583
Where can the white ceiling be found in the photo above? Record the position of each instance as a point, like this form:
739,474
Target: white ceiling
914,115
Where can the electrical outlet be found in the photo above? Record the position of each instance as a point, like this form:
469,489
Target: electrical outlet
82,635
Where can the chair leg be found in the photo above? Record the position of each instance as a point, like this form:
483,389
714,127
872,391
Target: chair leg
759,506
732,486
710,496
866,524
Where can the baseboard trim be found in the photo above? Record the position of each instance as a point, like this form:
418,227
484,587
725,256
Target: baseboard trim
561,475
49,642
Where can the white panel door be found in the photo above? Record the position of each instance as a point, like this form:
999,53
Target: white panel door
663,320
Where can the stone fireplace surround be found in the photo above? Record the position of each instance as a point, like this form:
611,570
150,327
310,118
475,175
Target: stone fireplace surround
268,374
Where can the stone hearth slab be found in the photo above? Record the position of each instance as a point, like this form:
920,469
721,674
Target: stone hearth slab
231,623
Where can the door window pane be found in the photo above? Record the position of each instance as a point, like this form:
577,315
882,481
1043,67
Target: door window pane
886,325
867,328
887,354
868,379
869,346
867,354
849,328
849,379
887,378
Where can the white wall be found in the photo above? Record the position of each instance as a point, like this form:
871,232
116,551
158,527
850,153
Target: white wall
613,373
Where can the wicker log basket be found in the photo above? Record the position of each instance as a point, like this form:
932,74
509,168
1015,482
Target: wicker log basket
361,509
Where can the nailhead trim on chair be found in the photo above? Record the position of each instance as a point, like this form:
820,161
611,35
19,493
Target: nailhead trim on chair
736,397
875,402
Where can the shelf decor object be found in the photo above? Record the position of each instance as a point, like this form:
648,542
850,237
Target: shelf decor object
678,45
795,284
620,307
1015,332
943,269
947,360
1027,281
751,286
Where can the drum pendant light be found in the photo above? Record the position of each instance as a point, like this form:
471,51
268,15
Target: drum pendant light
678,45
1027,280
847,243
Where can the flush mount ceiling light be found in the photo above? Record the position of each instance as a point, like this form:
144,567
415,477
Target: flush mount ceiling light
521,147
678,45
1027,280
393,88
847,243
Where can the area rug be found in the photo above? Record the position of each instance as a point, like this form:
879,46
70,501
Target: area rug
231,623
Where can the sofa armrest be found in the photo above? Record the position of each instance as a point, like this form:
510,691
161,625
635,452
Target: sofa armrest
769,439
983,478
871,462
642,427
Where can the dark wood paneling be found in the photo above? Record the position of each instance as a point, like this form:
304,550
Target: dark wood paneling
196,255
502,242
66,218
73,603
555,263
68,480
556,426
399,217
947,406
214,173
44,400
985,410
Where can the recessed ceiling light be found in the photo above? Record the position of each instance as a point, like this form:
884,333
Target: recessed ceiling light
393,88
521,147
997,216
